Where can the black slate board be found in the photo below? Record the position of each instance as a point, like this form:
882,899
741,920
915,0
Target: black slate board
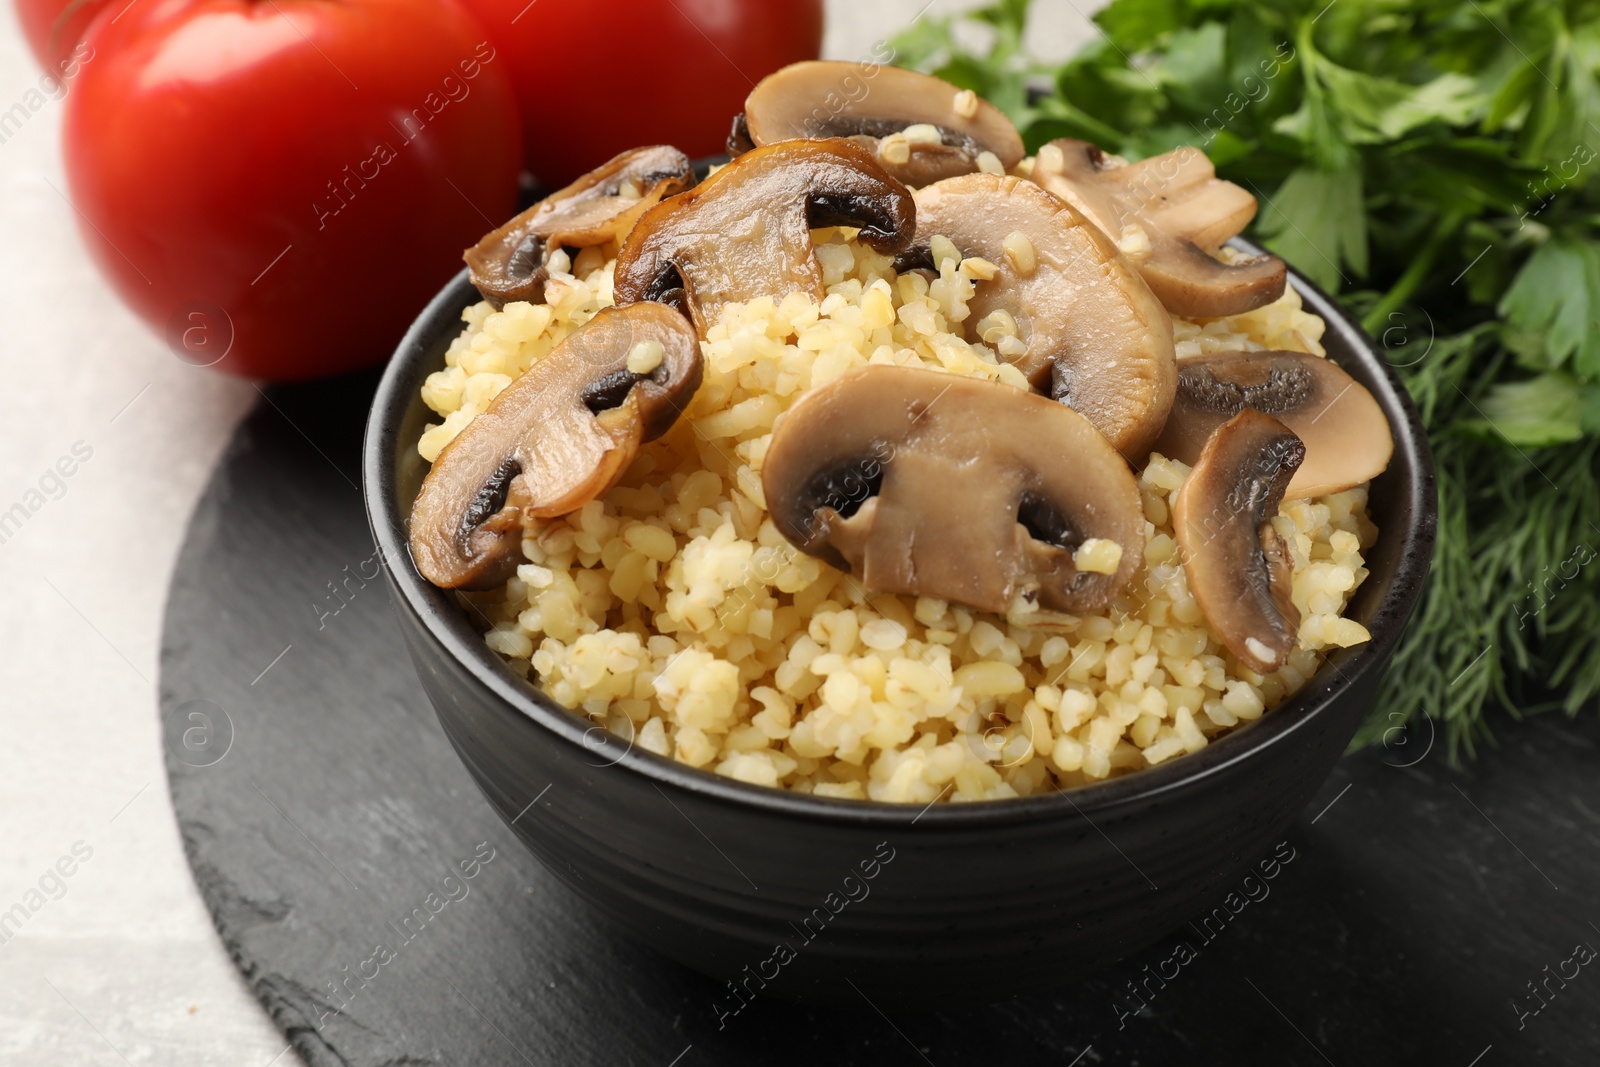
320,806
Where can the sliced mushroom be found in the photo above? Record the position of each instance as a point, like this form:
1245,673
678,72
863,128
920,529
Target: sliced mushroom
1346,435
553,440
746,230
739,142
511,263
932,484
1170,214
1097,340
950,128
1239,569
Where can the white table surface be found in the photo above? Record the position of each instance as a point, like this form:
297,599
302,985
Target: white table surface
124,966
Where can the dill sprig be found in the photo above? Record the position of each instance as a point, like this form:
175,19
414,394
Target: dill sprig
1511,613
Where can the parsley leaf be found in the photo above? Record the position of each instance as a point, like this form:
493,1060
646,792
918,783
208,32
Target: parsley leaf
1316,221
1535,413
1552,309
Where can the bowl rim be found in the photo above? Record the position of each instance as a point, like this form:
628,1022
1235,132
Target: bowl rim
447,626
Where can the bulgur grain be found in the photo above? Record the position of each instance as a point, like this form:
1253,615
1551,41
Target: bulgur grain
674,610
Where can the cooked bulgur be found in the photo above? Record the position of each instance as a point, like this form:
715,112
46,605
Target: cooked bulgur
673,612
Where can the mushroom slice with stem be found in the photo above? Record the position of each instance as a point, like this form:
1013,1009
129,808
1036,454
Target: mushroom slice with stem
921,128
746,231
1346,435
553,440
1169,214
933,484
1239,569
1091,333
512,263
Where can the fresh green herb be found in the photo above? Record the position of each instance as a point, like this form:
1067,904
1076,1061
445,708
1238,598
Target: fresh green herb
1432,164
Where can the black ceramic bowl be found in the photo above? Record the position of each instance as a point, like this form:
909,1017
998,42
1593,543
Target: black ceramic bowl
784,893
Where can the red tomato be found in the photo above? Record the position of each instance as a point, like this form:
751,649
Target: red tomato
54,27
281,186
595,78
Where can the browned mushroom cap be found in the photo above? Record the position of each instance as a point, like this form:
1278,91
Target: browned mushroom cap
1096,338
1345,432
511,262
933,484
949,128
553,440
746,230
1238,567
1185,213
